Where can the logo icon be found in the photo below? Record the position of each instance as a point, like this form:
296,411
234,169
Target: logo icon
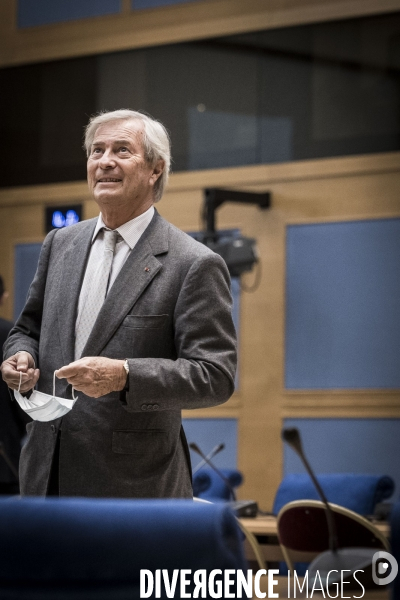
384,568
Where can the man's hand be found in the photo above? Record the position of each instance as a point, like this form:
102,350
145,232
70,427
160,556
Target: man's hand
95,376
11,370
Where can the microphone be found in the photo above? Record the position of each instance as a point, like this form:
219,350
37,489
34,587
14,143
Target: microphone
206,460
210,455
292,437
335,559
241,508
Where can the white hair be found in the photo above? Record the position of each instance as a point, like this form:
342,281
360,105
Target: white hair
156,142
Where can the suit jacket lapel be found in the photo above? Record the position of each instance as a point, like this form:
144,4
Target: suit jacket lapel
74,265
136,274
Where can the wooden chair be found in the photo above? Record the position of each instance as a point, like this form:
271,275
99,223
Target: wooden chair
303,531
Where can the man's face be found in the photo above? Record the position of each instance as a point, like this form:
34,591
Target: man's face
118,174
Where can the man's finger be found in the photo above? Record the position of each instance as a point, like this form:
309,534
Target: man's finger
13,378
79,379
22,361
67,371
80,387
26,383
88,391
31,382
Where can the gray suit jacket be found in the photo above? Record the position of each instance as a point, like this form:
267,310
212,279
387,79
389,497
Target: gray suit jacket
169,313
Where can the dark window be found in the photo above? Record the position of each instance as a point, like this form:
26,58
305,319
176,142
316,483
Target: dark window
327,89
43,109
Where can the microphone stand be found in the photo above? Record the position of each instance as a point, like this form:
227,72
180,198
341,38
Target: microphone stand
241,508
292,437
335,559
196,449
210,455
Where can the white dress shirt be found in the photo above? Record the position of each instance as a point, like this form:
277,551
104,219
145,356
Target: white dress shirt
129,235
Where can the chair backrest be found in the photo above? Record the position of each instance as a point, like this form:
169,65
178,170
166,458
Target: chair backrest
303,530
95,549
357,492
209,485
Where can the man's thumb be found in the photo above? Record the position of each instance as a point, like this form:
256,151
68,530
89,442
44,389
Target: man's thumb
22,362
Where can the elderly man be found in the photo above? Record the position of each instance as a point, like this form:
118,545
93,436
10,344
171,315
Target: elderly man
134,315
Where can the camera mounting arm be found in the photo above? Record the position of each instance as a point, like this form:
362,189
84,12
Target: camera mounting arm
215,197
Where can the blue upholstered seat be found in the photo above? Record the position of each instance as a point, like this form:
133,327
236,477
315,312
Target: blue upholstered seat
208,485
359,493
82,549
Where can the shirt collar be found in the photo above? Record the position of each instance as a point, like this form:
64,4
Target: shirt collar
131,230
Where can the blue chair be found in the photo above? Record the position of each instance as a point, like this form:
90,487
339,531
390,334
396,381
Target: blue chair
359,493
84,549
207,484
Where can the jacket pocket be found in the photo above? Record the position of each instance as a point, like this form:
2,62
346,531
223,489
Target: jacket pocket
145,321
140,442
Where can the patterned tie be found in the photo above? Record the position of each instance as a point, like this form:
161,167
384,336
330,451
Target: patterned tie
97,290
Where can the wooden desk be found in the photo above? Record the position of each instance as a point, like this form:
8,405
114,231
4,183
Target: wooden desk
265,530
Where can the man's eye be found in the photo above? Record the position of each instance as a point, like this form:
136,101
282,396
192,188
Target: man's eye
96,150
123,149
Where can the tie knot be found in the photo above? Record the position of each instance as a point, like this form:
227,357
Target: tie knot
110,239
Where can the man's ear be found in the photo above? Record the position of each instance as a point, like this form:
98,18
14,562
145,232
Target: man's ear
157,171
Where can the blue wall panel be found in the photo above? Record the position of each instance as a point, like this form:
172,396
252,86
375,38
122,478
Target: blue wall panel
370,446
26,260
208,433
43,12
343,305
142,4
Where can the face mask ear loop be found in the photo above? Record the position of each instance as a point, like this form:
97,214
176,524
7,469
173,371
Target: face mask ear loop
54,388
20,381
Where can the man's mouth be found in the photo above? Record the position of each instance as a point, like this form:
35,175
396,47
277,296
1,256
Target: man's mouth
108,180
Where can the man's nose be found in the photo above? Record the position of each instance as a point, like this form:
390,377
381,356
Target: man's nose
107,160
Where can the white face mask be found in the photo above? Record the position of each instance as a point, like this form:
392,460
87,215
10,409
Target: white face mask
43,407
